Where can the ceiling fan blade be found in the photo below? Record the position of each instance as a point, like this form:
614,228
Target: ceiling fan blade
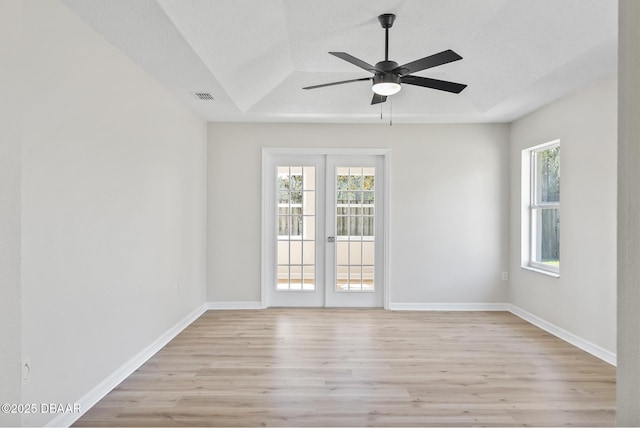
377,99
337,83
434,60
441,85
355,61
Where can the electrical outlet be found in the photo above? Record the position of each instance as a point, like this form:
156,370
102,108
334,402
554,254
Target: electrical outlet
26,371
505,276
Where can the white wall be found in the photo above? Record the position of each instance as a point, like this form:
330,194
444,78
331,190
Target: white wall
583,300
10,382
628,374
449,206
113,208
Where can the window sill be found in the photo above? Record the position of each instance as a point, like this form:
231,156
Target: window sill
542,271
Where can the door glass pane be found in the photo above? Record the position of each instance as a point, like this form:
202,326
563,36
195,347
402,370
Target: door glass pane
295,253
308,253
308,202
295,277
368,253
296,222
355,226
283,253
355,253
367,278
355,278
342,278
309,228
342,226
283,225
342,248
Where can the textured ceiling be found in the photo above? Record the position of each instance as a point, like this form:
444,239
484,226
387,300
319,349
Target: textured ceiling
254,56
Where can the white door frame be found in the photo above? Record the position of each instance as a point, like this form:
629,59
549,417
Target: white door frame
267,153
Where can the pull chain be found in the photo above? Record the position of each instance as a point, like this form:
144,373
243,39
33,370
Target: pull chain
390,111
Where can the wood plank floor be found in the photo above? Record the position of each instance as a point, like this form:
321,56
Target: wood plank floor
355,367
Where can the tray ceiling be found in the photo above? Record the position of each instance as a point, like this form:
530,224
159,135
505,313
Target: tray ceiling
254,56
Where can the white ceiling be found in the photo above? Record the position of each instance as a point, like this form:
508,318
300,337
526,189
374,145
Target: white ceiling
254,56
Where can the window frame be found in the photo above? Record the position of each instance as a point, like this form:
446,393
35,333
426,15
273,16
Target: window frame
531,205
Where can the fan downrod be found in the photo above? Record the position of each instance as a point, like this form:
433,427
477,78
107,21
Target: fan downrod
386,20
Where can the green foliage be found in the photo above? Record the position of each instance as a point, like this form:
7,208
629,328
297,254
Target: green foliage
355,182
289,182
549,168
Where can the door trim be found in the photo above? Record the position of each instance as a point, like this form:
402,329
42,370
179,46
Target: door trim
268,153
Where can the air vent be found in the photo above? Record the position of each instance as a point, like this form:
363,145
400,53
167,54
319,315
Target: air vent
204,96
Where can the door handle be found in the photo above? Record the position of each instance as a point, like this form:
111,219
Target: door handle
331,239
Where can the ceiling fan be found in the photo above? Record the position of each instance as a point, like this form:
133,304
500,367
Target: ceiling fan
388,75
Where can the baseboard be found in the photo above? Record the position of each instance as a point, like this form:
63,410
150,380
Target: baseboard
571,338
233,305
585,345
448,306
107,385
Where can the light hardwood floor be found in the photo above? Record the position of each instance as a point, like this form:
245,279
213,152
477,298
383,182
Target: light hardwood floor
348,367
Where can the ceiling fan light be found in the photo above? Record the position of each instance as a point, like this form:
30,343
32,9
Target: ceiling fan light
386,88
386,84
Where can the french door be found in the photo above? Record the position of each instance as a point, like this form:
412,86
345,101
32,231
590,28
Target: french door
324,221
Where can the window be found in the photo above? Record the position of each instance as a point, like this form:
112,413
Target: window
543,214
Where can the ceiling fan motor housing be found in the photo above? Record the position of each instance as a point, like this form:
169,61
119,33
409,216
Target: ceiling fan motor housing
386,78
385,66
